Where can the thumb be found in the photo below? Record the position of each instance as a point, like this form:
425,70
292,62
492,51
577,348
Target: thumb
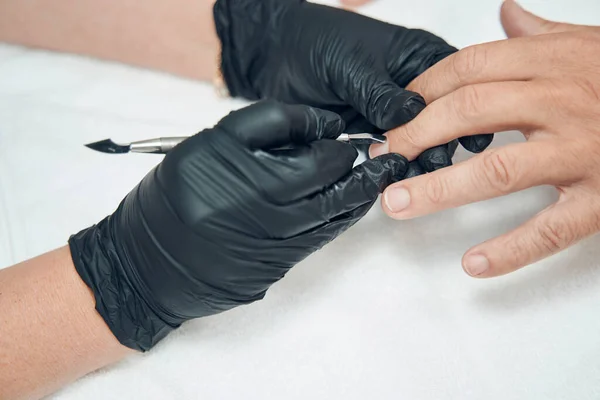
518,22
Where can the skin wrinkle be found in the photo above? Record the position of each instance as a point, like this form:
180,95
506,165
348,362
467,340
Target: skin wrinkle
548,91
327,74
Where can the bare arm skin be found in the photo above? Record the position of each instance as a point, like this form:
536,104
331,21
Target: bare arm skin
175,36
50,332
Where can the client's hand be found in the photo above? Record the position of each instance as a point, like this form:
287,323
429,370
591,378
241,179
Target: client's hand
545,83
225,215
298,52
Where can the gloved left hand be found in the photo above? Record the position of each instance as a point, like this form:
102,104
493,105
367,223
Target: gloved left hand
299,52
226,214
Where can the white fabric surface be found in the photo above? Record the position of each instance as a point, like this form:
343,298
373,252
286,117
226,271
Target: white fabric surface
384,312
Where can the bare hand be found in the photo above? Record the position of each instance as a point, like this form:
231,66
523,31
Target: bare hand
545,82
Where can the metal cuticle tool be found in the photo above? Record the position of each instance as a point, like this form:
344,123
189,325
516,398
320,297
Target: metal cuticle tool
165,144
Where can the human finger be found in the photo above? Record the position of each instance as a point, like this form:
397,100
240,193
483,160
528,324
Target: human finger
491,174
488,107
554,229
435,158
270,124
414,169
476,143
489,62
361,186
377,97
305,170
518,22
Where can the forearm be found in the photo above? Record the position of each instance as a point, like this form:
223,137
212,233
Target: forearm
50,332
175,36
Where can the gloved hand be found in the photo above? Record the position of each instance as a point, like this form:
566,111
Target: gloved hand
298,52
226,214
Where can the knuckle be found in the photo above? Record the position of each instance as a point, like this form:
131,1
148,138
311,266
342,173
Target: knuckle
469,62
436,190
551,90
499,171
518,251
555,94
468,102
585,39
588,88
553,236
421,84
410,135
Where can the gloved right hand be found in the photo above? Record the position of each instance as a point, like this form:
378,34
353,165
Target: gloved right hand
303,53
226,214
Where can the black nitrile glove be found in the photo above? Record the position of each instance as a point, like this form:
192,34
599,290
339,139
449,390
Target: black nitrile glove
224,216
298,52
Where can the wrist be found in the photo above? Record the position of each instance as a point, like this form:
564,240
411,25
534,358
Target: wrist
49,330
72,291
128,315
245,46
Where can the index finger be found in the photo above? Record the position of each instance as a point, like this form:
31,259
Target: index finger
488,62
489,107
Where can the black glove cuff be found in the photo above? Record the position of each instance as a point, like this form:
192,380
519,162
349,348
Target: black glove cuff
242,26
133,322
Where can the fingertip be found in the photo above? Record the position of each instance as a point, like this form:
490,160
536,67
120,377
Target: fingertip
310,123
385,207
508,9
477,143
384,170
435,158
377,150
395,199
476,264
400,106
328,125
415,104
396,164
414,169
518,22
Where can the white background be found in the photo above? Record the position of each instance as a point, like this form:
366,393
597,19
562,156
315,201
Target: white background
384,312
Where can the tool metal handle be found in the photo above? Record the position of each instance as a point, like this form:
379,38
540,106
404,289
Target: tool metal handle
167,143
156,146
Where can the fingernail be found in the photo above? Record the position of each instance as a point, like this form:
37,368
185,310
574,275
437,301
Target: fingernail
396,199
377,150
476,264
